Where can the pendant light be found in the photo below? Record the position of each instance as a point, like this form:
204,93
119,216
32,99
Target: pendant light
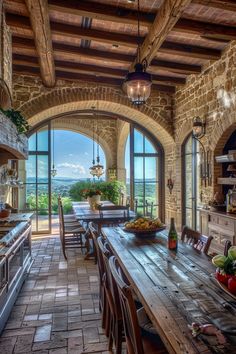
138,83
98,168
53,169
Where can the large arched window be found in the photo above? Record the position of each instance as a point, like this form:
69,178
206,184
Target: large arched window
72,154
143,160
191,182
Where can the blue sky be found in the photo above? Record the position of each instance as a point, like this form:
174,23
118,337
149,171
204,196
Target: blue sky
73,154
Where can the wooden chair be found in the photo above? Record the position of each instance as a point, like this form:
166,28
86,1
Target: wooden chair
102,279
115,316
71,235
149,209
68,219
227,246
136,342
196,240
120,211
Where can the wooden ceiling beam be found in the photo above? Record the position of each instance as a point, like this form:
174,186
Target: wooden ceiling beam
167,16
229,5
209,30
26,70
77,52
39,18
24,60
187,50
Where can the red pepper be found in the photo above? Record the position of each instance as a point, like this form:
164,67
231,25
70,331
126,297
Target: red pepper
232,284
222,278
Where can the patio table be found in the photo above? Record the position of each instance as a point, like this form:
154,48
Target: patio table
83,212
176,289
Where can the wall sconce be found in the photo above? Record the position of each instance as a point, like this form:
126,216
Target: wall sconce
198,128
170,183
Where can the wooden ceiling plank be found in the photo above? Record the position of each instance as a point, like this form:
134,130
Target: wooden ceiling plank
40,23
186,50
166,18
71,31
229,5
77,52
97,11
66,66
209,30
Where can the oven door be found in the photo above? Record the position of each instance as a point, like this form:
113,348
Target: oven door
3,277
15,264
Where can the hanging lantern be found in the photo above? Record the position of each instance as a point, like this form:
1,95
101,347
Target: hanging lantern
198,128
138,83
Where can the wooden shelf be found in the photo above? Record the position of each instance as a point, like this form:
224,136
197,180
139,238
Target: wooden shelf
227,180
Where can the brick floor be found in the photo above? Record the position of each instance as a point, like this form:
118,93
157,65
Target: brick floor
57,309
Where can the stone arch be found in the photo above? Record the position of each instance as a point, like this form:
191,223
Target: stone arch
121,144
60,100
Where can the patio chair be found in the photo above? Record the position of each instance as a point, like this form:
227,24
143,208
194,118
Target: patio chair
71,235
137,341
196,240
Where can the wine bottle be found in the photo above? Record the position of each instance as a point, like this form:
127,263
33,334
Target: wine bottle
172,236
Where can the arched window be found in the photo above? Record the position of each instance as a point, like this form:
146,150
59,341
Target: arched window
72,154
191,182
143,160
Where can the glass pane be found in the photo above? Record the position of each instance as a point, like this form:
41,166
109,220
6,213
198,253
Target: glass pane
151,192
151,169
33,223
198,180
188,145
42,136
43,222
30,167
127,165
139,192
42,168
30,197
188,181
32,142
138,169
138,142
189,220
149,148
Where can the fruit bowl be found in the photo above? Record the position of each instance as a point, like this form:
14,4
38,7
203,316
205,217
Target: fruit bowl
145,232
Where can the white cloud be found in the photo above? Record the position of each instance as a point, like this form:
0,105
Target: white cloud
77,168
71,155
86,153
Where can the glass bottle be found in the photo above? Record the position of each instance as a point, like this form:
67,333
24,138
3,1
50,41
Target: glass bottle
172,236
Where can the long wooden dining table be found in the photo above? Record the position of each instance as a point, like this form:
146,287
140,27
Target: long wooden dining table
176,289
83,212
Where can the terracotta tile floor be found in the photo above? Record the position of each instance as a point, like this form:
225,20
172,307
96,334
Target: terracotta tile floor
57,309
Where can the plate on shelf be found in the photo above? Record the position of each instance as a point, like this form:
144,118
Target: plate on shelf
145,232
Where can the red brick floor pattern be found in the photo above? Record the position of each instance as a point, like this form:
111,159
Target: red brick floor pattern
57,309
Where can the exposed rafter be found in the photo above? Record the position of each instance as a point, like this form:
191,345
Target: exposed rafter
39,19
229,5
166,18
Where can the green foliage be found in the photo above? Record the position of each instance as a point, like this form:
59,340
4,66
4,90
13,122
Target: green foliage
20,122
43,203
110,190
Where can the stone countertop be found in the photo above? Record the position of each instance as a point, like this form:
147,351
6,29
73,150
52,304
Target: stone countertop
218,213
18,217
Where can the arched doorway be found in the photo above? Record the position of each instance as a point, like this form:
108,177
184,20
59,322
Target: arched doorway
71,153
144,161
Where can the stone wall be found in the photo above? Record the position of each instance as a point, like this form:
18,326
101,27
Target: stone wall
212,96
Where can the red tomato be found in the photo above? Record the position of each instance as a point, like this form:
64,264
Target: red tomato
232,284
223,278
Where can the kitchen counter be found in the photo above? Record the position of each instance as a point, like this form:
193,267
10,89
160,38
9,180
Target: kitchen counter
17,217
219,213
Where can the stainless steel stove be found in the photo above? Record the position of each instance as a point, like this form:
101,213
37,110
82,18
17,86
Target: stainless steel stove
15,261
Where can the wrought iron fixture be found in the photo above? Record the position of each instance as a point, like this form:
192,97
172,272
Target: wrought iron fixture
98,169
198,127
53,169
138,83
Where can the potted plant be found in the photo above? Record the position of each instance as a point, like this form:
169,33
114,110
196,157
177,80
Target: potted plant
93,196
16,117
226,269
